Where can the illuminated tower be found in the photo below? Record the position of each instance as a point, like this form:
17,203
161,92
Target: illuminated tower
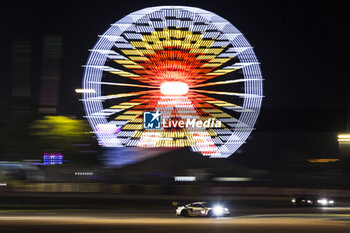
51,74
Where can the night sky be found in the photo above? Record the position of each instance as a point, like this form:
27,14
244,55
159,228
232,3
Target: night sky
302,47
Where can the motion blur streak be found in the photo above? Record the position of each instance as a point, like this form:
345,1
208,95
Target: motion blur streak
247,224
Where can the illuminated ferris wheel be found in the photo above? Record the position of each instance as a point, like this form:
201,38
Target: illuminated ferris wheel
184,62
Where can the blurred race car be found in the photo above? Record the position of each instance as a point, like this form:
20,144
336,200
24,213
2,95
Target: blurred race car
201,209
311,200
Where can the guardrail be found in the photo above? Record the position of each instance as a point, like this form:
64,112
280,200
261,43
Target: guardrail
155,189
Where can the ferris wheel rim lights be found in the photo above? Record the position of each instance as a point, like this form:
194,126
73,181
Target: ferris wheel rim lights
241,49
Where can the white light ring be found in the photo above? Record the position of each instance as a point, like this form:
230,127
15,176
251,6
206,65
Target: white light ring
249,102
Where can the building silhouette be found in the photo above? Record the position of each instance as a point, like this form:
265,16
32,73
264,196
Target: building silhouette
51,74
21,69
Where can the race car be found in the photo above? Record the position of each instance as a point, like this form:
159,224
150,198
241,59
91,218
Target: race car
201,209
311,200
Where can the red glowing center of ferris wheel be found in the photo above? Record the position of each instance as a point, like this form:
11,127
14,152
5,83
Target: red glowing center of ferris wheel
173,70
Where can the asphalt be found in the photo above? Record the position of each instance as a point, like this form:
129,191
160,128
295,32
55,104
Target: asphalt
152,224
249,214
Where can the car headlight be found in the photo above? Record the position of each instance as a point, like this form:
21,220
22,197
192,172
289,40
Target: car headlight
293,200
331,202
218,210
226,210
322,201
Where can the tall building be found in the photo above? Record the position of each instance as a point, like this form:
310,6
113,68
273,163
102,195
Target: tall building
21,63
21,68
51,74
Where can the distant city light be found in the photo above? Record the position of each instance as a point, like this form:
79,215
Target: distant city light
344,138
52,158
322,160
83,173
231,179
185,178
85,91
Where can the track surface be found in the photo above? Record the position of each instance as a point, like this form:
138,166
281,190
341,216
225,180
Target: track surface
43,214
